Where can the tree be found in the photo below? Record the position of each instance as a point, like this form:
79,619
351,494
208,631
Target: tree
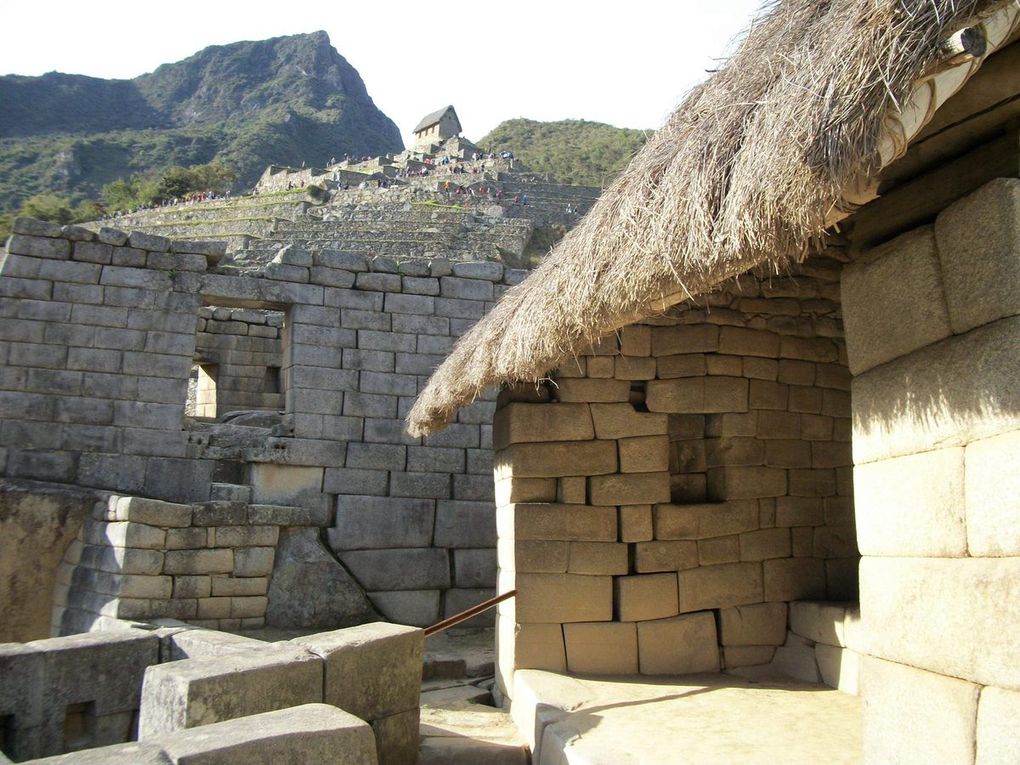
48,207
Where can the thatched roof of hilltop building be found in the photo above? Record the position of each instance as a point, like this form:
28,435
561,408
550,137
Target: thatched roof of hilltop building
787,138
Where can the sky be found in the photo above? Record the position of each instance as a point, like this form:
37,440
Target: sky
624,63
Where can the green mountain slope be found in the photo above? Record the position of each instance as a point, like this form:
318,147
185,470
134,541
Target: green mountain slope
572,151
249,104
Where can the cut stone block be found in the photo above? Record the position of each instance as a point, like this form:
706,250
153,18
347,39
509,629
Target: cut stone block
998,739
572,490
285,484
561,598
148,511
945,615
978,242
938,397
644,454
405,568
647,596
564,458
336,600
521,423
537,646
200,644
372,670
893,301
601,648
194,692
912,506
765,544
635,523
458,599
597,558
697,395
794,579
682,645
591,390
630,489
728,584
796,658
417,608
735,656
705,520
132,753
305,733
120,658
365,522
623,421
761,624
916,716
396,737
746,482
579,523
840,668
992,487
821,622
650,557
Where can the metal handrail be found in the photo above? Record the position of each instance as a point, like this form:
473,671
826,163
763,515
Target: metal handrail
456,619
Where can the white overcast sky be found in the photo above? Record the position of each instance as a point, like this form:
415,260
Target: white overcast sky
624,63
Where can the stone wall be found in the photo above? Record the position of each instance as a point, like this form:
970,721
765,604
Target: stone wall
933,340
172,693
668,494
98,335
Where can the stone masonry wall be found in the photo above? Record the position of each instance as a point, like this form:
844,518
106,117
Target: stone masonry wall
98,334
667,496
246,348
933,339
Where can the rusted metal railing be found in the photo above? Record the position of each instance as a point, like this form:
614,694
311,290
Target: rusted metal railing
464,615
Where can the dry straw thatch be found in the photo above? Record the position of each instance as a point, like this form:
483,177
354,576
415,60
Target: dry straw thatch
750,168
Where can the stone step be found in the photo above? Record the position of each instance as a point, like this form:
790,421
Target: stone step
469,736
456,696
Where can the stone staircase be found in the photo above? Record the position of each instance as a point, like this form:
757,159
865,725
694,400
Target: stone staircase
460,724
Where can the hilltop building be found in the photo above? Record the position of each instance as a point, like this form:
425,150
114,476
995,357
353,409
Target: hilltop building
436,127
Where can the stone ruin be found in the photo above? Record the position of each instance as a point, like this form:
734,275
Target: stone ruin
205,436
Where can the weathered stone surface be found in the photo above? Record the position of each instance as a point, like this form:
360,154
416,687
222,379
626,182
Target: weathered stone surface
417,608
601,648
36,527
303,733
978,240
562,458
399,569
992,488
536,646
373,670
724,585
396,737
796,658
794,579
706,520
623,421
682,645
520,423
893,301
760,624
819,621
195,692
672,555
913,505
365,522
336,600
629,489
646,596
916,716
945,615
579,523
132,753
840,668
464,524
998,739
938,397
561,598
697,395
597,558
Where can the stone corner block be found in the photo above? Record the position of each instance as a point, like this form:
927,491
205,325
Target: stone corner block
372,670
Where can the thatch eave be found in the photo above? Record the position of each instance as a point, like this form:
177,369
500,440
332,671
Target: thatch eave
755,164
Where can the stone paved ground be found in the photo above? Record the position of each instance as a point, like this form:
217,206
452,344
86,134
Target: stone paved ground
694,720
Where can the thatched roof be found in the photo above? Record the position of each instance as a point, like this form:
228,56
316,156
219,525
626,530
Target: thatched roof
751,168
435,117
